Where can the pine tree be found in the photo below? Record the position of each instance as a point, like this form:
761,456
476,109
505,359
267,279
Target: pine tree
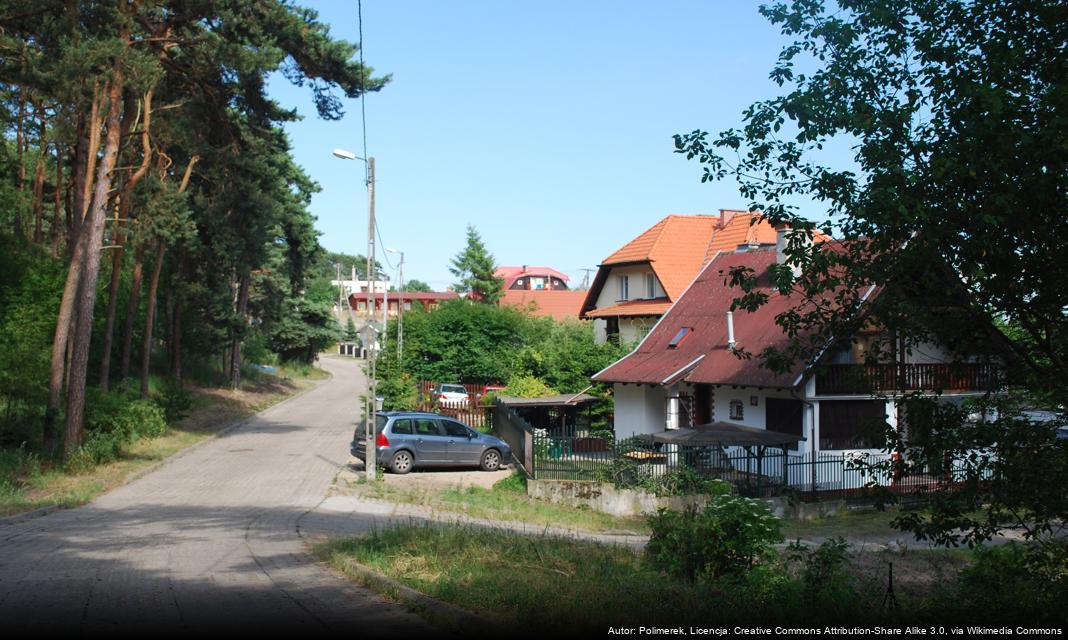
474,266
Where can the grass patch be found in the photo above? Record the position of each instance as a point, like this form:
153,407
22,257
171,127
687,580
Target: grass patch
852,525
507,500
544,584
29,482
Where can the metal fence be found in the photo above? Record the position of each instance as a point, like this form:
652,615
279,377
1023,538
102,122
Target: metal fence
751,471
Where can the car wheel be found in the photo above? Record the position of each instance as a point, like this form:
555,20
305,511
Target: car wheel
401,462
491,460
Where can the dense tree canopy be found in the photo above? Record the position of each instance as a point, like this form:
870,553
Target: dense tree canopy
140,146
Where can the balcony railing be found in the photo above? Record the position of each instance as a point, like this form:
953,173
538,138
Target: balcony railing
861,379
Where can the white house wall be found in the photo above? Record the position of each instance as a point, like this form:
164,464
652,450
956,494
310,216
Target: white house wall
610,291
638,410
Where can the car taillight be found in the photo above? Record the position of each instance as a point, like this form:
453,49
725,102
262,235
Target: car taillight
382,441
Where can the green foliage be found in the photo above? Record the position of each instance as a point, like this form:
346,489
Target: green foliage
113,421
725,538
417,286
464,342
30,286
950,143
823,568
515,483
474,266
350,330
527,386
1033,579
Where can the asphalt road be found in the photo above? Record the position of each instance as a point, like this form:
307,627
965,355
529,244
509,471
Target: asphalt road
208,542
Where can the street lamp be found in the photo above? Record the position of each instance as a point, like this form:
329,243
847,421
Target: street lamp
400,305
371,412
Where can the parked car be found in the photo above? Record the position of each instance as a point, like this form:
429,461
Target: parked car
451,395
408,439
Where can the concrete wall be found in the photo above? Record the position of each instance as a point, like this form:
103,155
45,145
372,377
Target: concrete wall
607,499
638,409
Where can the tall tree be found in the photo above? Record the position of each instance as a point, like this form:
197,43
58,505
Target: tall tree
475,267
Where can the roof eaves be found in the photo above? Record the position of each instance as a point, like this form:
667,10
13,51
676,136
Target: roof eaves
686,368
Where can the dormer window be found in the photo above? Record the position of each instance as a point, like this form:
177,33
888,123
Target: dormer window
624,287
650,285
679,337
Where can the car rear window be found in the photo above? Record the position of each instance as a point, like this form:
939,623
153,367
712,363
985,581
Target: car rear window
402,427
453,388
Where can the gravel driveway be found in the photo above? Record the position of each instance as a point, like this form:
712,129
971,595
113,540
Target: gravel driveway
209,541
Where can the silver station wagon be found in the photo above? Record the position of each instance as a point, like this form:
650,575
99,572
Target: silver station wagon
408,439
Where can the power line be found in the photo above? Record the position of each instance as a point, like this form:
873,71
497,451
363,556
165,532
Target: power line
363,71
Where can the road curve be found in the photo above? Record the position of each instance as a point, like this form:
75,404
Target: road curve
208,542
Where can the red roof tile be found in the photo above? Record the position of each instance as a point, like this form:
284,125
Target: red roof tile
558,304
703,357
654,307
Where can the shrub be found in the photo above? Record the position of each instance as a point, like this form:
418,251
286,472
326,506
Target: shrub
112,421
175,401
725,538
515,483
823,567
1030,580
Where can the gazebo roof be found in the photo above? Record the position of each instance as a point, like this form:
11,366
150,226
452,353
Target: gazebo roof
722,433
559,400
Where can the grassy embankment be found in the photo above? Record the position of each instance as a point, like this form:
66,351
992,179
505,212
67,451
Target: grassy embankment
506,501
28,482
542,583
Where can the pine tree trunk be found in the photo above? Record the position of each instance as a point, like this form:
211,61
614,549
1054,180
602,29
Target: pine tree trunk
21,171
150,316
131,312
65,317
235,346
38,179
93,230
122,238
176,341
59,203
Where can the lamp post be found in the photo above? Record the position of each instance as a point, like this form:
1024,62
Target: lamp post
371,464
400,306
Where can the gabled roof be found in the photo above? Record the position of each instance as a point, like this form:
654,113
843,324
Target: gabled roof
558,304
703,356
678,246
653,307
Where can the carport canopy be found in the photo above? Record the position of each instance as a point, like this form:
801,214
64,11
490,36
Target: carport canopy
722,433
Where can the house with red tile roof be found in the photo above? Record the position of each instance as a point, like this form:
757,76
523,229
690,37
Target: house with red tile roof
636,284
687,370
541,291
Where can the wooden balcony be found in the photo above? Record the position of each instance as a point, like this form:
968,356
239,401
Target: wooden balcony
864,379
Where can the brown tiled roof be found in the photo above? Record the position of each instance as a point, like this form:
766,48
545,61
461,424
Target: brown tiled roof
703,356
653,307
558,304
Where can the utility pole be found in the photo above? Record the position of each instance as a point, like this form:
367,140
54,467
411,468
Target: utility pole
371,463
400,312
340,293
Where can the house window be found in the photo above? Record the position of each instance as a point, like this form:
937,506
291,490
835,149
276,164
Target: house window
624,287
650,285
407,305
852,424
362,305
737,410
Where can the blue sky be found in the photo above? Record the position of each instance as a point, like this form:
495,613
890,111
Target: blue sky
545,124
